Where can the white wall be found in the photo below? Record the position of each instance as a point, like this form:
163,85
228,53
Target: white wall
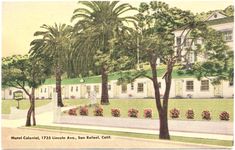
116,92
228,91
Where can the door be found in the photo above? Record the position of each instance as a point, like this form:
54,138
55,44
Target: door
178,88
218,90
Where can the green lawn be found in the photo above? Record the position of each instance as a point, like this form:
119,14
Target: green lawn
24,104
215,106
140,135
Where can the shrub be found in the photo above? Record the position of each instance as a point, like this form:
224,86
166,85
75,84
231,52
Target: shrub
73,112
206,115
190,114
72,97
83,111
224,115
174,113
115,112
133,112
98,111
148,113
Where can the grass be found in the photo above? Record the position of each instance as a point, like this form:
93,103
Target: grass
140,135
24,104
215,106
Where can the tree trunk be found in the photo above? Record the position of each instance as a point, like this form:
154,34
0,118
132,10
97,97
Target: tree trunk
58,87
33,106
28,119
104,93
164,131
162,112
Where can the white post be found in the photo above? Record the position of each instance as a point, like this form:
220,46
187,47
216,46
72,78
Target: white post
56,109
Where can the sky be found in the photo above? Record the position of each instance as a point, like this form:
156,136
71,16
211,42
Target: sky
20,19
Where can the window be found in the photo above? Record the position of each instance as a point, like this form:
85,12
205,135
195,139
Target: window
124,88
109,87
10,92
76,88
187,42
159,84
178,41
189,85
41,90
132,86
88,89
190,57
215,15
71,88
140,87
96,88
231,82
204,85
228,35
45,90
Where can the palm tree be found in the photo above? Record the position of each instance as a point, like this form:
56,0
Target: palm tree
98,23
54,43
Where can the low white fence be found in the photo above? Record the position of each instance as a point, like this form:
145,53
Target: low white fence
212,127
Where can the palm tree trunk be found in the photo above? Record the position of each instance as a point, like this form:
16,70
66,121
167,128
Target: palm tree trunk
58,87
104,93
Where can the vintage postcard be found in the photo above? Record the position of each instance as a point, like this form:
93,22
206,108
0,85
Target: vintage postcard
117,74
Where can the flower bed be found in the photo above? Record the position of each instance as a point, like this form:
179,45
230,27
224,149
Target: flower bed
174,113
190,114
83,111
115,112
206,115
224,116
133,112
98,111
148,113
72,112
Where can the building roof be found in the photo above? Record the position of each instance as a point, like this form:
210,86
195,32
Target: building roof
221,20
214,22
216,15
113,76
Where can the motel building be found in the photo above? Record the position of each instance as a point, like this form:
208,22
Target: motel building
182,86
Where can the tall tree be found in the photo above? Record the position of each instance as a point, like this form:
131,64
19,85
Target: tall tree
22,72
156,24
54,43
99,23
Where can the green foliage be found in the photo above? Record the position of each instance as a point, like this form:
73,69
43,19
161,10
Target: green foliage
219,64
54,43
229,11
98,29
21,71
